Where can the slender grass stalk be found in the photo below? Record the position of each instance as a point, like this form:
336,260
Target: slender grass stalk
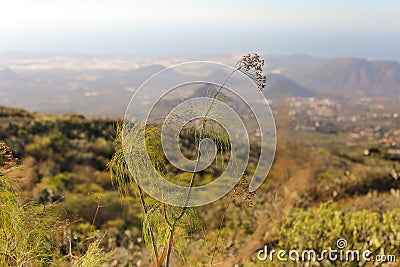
220,228
250,65
146,212
192,180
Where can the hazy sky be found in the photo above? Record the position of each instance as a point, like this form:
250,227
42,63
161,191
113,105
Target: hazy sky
322,28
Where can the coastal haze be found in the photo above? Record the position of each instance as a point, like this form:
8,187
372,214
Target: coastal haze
88,57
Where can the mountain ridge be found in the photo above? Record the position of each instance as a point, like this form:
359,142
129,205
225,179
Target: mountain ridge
354,77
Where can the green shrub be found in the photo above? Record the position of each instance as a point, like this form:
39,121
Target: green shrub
320,227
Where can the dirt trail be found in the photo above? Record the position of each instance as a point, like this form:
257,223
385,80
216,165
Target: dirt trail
267,229
294,172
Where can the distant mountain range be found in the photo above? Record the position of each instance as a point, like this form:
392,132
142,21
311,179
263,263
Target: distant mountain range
353,77
106,92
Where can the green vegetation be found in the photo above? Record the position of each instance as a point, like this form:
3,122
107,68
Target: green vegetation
59,207
71,193
319,227
32,234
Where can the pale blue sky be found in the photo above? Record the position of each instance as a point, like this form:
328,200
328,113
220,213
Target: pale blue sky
322,28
